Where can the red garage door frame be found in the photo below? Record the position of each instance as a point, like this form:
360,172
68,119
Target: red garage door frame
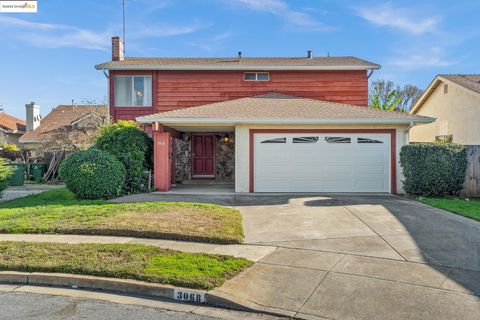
391,132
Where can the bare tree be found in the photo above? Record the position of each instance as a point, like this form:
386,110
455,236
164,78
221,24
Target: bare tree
79,135
385,95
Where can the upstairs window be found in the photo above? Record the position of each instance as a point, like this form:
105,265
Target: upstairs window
133,91
256,76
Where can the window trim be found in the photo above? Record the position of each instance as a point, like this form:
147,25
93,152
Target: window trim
132,76
256,76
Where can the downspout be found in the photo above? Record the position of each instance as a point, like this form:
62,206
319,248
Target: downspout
371,72
108,93
407,138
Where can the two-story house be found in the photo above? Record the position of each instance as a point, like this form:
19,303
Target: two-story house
268,124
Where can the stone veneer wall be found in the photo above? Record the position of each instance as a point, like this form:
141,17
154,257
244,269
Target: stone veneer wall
224,157
183,166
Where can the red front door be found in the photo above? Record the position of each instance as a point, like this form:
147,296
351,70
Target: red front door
203,155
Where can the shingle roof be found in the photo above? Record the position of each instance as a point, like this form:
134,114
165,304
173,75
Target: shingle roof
245,63
61,116
469,81
10,123
278,106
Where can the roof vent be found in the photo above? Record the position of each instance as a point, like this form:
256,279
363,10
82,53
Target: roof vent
239,55
309,54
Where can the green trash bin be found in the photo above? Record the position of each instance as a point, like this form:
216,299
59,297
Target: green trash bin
37,170
18,174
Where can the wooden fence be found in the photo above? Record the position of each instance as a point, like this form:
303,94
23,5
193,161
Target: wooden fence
471,187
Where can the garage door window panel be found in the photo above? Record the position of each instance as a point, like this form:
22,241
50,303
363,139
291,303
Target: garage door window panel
275,140
338,140
305,139
368,140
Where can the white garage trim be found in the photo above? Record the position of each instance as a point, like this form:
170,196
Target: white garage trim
389,134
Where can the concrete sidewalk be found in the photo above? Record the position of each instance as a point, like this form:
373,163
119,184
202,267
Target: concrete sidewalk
27,189
251,252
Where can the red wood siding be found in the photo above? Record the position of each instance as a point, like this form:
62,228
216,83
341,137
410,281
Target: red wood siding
183,89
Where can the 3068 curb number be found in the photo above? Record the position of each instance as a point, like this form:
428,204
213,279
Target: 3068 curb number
190,296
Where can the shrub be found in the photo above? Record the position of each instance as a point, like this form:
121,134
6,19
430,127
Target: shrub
5,173
93,174
8,147
433,169
132,147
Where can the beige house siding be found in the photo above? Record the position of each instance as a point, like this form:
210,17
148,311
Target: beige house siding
457,113
242,148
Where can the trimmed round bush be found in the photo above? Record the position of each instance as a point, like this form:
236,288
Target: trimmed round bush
132,147
5,173
93,174
433,169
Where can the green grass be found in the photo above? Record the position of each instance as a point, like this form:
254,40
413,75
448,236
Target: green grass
467,208
58,211
126,261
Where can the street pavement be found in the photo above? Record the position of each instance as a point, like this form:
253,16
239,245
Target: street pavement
43,303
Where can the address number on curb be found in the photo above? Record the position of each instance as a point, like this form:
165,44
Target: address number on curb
190,296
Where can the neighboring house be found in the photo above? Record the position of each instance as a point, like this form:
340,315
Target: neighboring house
454,100
11,129
66,127
268,124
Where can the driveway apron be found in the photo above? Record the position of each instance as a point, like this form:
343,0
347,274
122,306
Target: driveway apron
359,257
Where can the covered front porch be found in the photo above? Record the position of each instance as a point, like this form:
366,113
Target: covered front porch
193,158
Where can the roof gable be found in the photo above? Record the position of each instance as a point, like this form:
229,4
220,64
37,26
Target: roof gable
10,123
468,82
61,116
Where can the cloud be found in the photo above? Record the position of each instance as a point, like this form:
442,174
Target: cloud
9,21
211,43
423,58
387,16
165,30
49,35
281,9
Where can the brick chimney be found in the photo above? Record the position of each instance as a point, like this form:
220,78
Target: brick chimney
118,51
33,116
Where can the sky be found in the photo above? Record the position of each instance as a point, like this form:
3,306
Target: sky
49,56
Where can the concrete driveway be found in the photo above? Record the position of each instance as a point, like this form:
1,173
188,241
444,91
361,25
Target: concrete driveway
359,257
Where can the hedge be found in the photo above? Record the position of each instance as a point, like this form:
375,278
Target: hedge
5,173
132,147
433,169
93,174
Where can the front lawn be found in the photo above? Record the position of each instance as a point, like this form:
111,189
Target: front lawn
127,261
467,208
58,211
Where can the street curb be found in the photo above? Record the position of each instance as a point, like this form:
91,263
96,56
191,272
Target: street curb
125,286
92,283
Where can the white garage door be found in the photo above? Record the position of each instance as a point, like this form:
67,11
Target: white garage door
310,162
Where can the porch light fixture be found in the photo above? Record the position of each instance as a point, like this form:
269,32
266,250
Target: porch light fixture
226,139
